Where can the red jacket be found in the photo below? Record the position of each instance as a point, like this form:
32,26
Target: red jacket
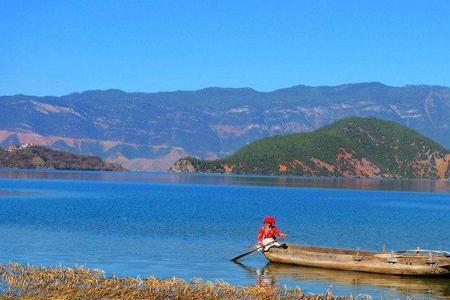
268,232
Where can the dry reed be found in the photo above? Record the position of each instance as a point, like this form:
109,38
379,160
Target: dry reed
31,282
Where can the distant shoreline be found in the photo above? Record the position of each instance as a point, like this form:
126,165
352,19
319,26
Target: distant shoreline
285,181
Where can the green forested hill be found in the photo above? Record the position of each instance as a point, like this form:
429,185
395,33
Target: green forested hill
351,147
38,157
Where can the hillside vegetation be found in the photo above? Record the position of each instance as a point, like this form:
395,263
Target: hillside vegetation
351,147
38,157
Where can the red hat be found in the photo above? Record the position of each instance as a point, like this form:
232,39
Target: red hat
269,219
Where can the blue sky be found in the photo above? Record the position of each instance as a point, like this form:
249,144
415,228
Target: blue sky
59,47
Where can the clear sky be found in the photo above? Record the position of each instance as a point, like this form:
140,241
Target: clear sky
59,47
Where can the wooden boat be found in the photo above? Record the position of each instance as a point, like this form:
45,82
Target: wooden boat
412,262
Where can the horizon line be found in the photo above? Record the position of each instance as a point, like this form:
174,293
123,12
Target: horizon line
233,88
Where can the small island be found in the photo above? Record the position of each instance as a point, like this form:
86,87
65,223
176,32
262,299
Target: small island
352,147
28,156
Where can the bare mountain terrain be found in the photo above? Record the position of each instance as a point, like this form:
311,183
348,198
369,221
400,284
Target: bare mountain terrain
150,131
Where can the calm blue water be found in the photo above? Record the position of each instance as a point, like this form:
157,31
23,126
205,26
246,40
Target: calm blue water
190,226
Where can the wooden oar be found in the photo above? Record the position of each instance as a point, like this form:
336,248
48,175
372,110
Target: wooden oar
255,248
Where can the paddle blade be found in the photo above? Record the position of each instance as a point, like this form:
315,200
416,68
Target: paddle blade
244,254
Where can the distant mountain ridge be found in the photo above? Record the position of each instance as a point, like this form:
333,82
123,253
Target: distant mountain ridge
351,147
149,131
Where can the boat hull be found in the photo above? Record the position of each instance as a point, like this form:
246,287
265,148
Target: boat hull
362,261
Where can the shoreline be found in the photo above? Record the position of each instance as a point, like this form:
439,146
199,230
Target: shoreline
394,185
37,282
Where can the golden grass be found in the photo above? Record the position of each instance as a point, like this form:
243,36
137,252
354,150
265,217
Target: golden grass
31,282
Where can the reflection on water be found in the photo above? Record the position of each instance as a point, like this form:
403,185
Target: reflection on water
419,185
14,193
404,286
407,285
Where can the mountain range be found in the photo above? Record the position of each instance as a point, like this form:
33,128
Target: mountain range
150,131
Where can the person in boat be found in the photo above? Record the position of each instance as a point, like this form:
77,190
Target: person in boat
267,235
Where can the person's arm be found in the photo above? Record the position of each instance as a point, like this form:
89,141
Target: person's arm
260,235
278,232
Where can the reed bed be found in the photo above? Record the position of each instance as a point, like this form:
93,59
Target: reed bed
32,282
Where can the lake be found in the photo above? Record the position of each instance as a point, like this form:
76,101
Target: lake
142,224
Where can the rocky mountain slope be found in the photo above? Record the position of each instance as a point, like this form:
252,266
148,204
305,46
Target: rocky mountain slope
152,130
352,147
38,157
